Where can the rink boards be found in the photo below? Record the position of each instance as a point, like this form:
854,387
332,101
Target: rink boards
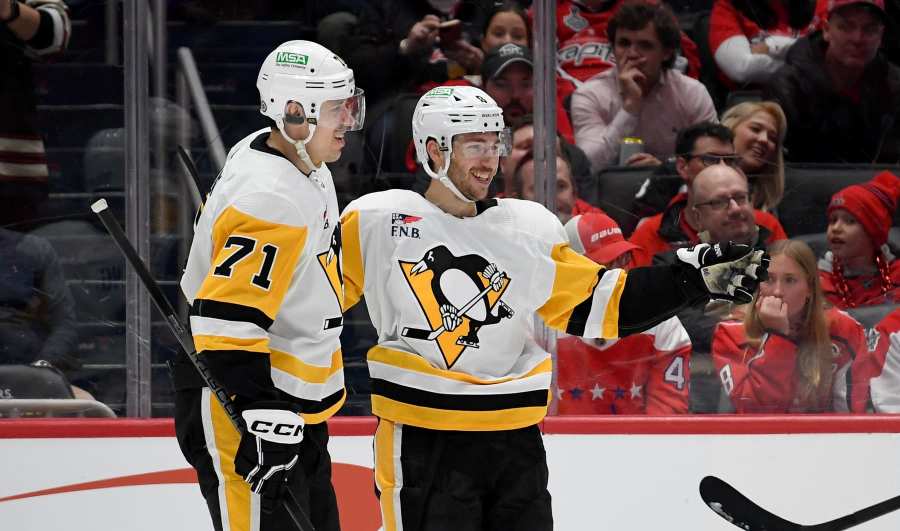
611,473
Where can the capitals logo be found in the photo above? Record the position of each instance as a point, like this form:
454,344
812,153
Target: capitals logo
401,226
458,295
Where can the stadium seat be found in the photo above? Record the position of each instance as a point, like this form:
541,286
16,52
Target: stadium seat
616,188
869,316
817,242
26,381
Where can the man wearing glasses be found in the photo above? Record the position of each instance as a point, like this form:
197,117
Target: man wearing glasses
683,222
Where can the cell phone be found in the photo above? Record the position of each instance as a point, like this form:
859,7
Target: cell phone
450,31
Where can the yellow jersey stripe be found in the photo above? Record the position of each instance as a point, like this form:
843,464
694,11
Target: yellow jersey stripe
447,419
322,416
294,366
353,268
416,363
573,283
611,316
208,342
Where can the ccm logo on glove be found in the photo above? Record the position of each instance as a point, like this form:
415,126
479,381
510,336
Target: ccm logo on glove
274,425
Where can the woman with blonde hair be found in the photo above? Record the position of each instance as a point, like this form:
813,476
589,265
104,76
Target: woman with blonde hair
789,354
759,129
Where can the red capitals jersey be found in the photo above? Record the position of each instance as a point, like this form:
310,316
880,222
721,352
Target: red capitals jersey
876,374
862,290
643,373
764,379
584,49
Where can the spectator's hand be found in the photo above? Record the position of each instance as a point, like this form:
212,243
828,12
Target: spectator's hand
729,271
631,79
642,159
269,448
760,48
5,10
468,56
422,35
773,314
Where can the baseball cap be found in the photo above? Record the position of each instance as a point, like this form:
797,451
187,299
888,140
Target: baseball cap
502,56
837,4
598,237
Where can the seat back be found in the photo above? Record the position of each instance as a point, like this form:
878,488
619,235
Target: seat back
25,381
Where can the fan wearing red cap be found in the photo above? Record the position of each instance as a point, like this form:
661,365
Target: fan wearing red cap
644,373
860,269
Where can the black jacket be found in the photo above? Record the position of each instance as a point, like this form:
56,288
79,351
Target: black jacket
825,126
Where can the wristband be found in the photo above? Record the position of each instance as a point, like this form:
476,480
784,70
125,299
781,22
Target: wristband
14,12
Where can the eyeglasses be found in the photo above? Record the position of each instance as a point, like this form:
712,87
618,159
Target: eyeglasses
722,203
708,159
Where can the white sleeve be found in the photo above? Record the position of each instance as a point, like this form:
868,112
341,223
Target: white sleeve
885,387
734,58
779,46
62,26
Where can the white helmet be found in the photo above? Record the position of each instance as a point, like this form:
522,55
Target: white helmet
307,73
444,112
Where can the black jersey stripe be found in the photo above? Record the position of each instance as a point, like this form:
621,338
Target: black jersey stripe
229,311
579,317
316,406
486,402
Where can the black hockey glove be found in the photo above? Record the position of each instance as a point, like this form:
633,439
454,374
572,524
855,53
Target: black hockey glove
269,448
729,271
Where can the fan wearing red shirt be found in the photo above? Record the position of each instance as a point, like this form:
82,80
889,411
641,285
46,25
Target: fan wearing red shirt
860,269
749,39
789,354
876,374
646,373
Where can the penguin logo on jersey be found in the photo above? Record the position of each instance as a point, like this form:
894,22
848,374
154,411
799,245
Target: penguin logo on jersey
458,295
330,261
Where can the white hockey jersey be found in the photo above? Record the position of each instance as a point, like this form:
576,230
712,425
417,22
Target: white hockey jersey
453,301
264,278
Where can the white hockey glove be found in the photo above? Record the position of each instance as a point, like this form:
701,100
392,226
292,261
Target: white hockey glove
269,448
729,271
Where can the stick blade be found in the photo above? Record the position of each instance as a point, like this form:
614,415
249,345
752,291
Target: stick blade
733,506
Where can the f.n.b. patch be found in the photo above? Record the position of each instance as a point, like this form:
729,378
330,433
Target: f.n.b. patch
401,226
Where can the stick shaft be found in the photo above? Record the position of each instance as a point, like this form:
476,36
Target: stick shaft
294,510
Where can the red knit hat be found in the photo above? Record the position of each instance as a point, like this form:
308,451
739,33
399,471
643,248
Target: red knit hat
871,203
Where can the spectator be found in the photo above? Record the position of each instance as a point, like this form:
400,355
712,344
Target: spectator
790,354
568,203
759,129
395,48
584,47
876,386
860,269
749,39
507,22
715,209
29,31
641,373
696,147
522,144
506,74
642,96
841,96
37,313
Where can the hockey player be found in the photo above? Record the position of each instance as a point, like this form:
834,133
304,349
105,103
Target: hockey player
264,281
645,373
789,354
453,282
875,374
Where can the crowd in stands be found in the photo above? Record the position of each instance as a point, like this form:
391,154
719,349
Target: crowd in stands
723,102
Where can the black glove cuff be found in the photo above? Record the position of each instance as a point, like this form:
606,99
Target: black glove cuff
690,280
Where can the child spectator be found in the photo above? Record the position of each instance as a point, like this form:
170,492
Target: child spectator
790,354
642,373
876,374
759,129
507,22
642,96
860,269
749,39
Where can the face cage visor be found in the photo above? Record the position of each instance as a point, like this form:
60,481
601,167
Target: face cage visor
484,146
346,114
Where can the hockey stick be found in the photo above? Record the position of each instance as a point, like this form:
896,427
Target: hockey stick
430,335
733,506
192,177
185,339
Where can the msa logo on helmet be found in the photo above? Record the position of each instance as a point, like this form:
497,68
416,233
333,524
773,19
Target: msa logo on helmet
440,92
290,58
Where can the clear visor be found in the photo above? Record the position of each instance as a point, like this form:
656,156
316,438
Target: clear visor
344,115
485,145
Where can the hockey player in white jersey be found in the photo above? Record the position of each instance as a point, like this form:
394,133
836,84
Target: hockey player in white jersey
264,281
452,282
